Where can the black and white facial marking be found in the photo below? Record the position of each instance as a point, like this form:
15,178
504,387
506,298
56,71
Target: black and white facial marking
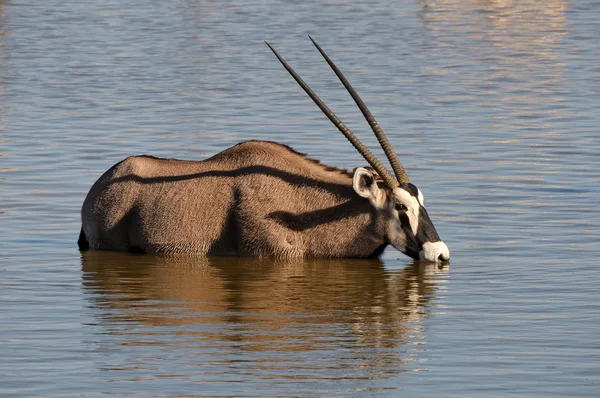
421,240
409,228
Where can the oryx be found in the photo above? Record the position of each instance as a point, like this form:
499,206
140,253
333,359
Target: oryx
262,198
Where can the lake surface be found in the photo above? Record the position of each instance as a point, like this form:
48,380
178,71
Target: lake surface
491,105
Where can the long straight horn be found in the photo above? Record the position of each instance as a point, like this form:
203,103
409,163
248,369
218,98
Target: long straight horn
383,141
360,147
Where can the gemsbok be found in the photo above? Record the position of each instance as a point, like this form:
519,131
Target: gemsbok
263,199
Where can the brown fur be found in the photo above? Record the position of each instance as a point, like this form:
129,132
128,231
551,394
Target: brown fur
256,198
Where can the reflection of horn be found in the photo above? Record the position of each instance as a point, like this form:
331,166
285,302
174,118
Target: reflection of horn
360,147
383,141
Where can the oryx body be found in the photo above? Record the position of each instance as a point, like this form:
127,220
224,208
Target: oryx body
260,198
257,198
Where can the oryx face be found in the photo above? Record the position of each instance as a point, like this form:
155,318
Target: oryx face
407,224
410,230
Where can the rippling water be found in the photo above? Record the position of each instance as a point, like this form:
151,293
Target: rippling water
492,106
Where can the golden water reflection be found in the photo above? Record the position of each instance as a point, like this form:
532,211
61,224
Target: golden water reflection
278,315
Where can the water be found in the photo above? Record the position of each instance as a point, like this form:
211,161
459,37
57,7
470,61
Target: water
492,107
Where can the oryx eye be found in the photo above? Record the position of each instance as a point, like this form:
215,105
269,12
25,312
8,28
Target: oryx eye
401,208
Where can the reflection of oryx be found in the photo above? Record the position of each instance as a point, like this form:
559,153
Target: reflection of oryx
376,305
261,199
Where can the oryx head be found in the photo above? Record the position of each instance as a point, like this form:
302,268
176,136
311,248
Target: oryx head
400,203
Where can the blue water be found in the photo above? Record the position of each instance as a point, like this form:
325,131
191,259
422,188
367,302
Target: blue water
492,107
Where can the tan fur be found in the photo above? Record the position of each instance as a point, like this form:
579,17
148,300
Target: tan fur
256,198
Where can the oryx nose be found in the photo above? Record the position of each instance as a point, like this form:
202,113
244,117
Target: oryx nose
435,252
444,253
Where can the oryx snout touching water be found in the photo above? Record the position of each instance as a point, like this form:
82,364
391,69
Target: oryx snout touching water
261,198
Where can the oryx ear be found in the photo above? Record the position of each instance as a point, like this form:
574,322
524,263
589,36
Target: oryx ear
365,185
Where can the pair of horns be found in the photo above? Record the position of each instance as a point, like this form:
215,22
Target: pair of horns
401,176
